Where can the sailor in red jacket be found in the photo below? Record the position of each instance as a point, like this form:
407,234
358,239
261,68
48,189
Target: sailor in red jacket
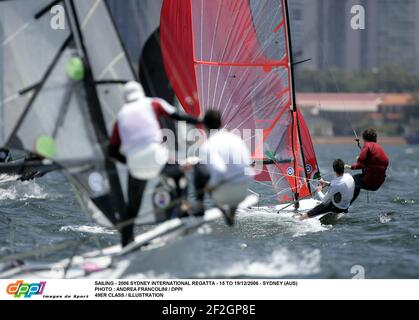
373,161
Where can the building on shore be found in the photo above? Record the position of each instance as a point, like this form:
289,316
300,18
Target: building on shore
332,114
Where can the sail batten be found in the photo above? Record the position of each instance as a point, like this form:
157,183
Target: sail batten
244,63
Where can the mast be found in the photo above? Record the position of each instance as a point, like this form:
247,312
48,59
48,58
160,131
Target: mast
297,140
293,105
290,56
95,112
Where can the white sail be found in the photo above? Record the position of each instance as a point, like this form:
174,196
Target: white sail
52,106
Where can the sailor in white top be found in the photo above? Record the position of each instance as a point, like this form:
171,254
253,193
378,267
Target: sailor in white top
338,198
224,170
137,141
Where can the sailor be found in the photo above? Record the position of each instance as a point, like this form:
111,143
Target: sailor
224,170
339,196
373,161
5,155
137,141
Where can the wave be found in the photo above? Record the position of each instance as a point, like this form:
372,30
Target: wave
385,218
410,151
403,201
5,178
281,263
87,229
283,222
23,191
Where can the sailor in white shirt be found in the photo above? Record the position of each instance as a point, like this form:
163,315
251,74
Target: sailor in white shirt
137,141
224,170
338,198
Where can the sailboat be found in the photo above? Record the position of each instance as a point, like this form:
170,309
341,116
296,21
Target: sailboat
76,80
236,57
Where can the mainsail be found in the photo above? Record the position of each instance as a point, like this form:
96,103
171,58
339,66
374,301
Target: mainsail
61,90
138,23
236,57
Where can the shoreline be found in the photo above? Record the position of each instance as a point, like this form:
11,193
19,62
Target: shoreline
350,140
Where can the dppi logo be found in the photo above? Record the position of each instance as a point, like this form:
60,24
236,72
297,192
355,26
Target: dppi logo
27,290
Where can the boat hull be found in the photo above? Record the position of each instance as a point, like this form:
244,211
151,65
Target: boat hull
305,205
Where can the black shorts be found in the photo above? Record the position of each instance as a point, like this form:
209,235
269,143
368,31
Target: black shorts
325,208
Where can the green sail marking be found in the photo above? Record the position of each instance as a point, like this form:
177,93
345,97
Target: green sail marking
45,146
75,69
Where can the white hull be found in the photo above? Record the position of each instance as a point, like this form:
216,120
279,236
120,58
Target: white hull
304,206
113,262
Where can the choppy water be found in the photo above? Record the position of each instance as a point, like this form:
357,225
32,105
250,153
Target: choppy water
379,236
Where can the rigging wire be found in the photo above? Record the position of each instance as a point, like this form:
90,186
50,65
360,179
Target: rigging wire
349,119
356,139
338,89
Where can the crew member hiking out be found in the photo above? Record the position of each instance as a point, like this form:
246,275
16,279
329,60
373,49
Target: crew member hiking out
338,198
373,161
137,141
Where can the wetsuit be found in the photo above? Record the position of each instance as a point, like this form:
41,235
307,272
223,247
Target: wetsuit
373,161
